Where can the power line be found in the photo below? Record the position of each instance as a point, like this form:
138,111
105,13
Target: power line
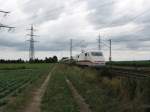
106,45
6,12
132,40
130,20
107,4
5,26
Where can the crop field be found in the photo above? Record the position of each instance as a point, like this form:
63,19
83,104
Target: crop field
58,97
92,89
14,78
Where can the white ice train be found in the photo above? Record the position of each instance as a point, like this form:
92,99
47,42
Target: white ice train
90,58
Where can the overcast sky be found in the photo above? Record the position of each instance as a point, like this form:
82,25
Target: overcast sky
126,22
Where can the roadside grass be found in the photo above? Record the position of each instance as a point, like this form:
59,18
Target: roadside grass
98,95
110,95
20,99
58,96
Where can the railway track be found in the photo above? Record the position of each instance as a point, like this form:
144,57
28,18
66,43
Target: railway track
130,73
124,72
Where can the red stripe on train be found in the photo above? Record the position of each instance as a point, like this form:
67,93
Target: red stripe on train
91,61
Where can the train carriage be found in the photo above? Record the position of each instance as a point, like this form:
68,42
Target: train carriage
91,59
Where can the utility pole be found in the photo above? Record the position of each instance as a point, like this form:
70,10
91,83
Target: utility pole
5,26
99,42
32,41
71,49
110,48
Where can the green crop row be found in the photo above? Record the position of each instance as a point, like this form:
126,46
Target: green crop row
58,97
13,81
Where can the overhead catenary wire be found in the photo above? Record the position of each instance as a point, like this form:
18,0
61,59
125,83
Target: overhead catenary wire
5,26
132,20
129,20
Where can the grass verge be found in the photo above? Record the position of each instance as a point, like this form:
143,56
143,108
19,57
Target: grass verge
110,95
100,98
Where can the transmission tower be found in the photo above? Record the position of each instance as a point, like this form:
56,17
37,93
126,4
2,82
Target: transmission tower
99,42
32,41
71,48
5,26
110,50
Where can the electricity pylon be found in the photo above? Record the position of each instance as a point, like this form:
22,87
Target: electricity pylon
32,41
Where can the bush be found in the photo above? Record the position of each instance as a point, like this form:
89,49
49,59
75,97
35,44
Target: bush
105,73
3,102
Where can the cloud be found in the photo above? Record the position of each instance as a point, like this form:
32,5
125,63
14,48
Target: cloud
116,13
56,22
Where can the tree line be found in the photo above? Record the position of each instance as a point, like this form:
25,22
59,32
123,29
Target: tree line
53,59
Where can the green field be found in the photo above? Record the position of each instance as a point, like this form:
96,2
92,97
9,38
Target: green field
102,94
58,97
14,78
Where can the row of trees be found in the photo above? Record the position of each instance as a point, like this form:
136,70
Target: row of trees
53,59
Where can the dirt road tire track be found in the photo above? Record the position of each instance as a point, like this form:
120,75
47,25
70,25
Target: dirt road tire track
84,107
35,104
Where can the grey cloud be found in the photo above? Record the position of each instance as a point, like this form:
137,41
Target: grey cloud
131,42
51,45
103,16
56,38
102,12
43,10
11,44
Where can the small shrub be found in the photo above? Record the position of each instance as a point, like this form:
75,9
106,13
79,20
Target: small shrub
105,73
3,102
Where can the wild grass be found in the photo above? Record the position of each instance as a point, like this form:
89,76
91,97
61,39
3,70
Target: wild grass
105,94
99,97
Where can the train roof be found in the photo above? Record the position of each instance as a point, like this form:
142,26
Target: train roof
92,51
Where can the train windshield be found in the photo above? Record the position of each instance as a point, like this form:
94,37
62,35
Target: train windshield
96,54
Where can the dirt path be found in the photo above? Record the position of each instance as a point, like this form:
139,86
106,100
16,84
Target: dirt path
79,99
35,104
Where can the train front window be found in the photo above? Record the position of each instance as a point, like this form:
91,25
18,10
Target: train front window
86,54
97,54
